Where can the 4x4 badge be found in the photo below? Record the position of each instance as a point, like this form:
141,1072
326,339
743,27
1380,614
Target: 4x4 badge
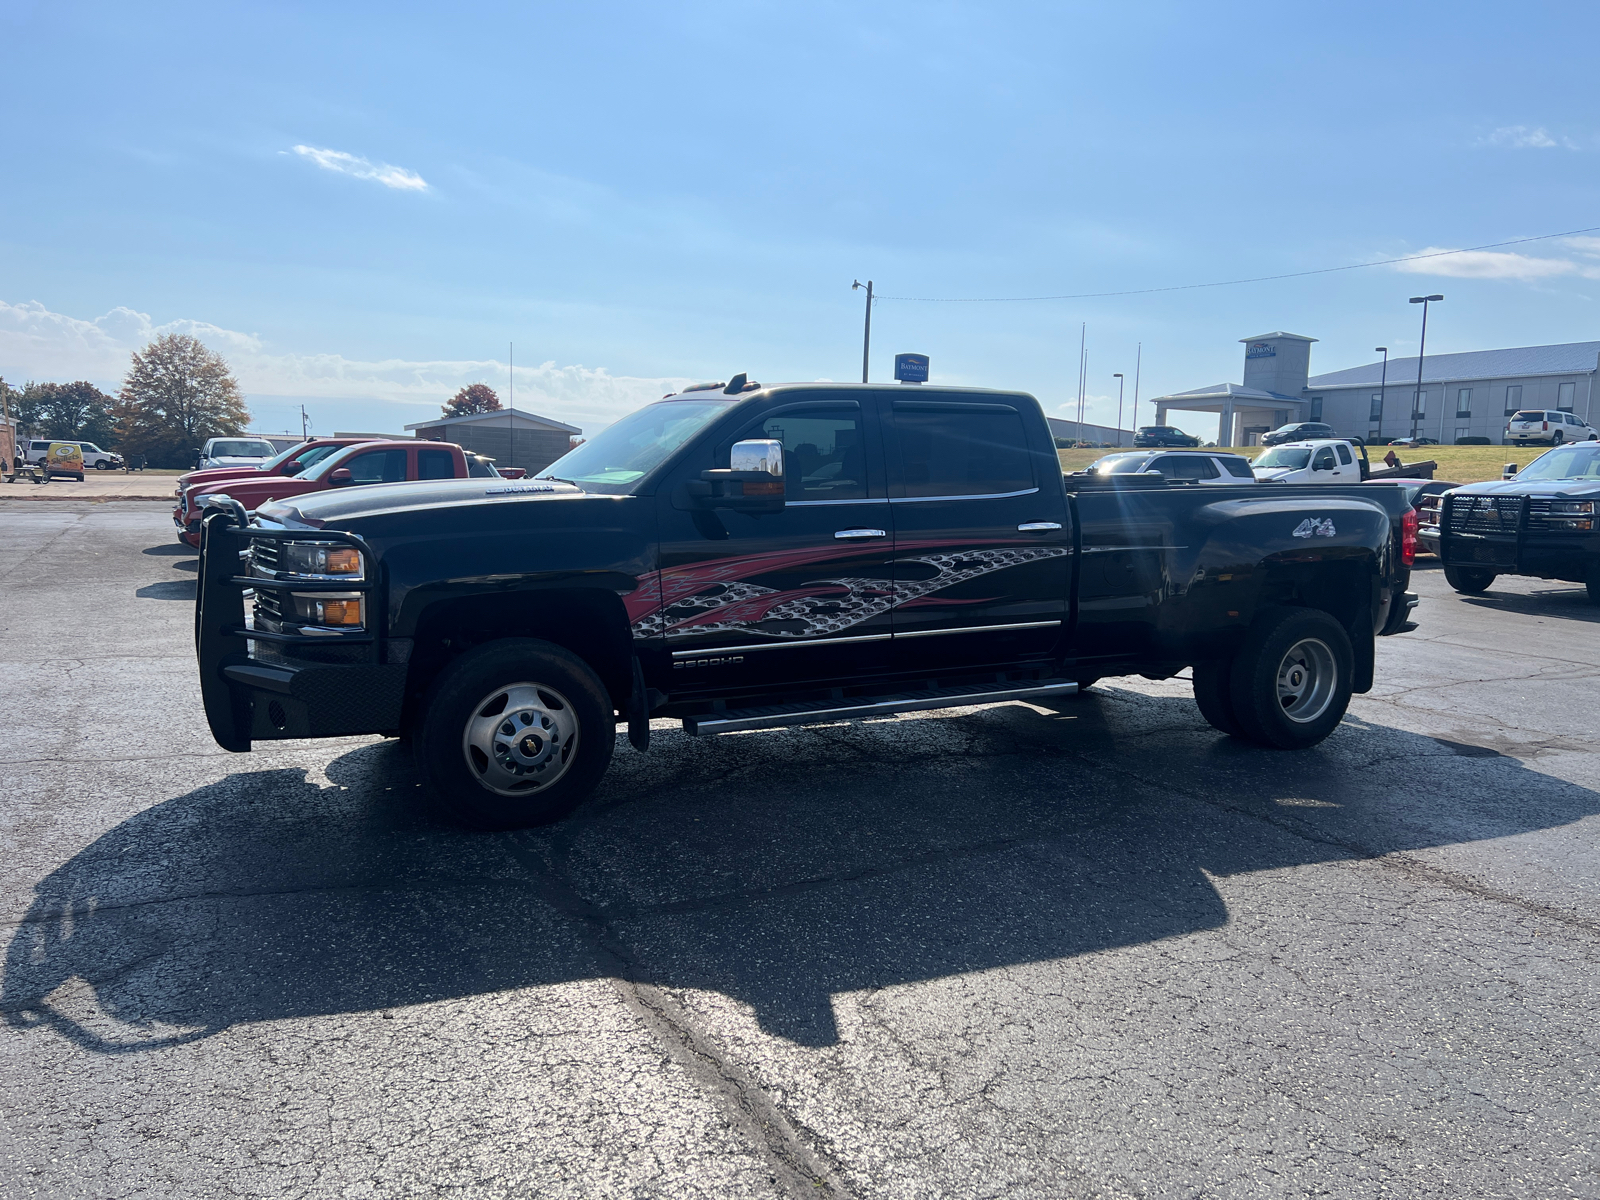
1311,527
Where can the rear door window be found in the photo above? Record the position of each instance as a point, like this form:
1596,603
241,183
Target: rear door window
962,449
1185,466
1344,453
435,464
378,466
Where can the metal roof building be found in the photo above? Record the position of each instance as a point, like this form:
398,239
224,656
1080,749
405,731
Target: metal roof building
512,437
1468,394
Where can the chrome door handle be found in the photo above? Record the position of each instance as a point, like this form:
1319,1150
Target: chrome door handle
851,535
1038,527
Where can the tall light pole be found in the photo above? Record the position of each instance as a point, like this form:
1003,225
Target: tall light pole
866,336
511,380
1422,347
1120,381
1383,387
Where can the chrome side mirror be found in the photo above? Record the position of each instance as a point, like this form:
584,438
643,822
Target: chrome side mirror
1508,471
757,454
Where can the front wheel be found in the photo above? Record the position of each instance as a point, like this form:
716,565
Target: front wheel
1291,682
1469,581
514,733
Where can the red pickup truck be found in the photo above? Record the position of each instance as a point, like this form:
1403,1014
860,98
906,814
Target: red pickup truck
366,462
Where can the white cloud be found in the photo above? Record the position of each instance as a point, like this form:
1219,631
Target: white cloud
36,343
361,168
1526,137
1503,264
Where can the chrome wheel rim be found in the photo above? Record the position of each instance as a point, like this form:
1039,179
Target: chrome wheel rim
520,738
1306,679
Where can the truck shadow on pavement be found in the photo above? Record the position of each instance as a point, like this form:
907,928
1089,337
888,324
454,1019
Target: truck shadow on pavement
778,869
1571,604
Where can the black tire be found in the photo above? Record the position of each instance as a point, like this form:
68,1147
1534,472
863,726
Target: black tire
1291,682
563,723
102,465
1213,692
1556,438
1593,584
1469,581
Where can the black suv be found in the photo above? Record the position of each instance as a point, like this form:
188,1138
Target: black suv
1163,435
1300,431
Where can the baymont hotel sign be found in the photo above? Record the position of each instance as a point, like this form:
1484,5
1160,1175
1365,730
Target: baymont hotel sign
1261,350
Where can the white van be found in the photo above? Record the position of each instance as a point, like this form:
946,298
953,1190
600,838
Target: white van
1324,460
93,456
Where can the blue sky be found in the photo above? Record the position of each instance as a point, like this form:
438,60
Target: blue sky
361,205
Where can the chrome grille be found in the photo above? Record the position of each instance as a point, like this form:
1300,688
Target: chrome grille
264,553
1485,514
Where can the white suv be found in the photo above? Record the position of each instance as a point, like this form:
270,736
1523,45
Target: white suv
1200,466
234,452
1541,425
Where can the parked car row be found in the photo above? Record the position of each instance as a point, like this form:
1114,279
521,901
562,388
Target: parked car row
318,465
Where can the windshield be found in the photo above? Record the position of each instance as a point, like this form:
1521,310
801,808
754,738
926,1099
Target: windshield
1293,457
618,457
241,449
1565,462
1118,464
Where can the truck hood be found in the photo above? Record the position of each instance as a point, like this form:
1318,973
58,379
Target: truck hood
1268,474
254,489
340,504
1531,487
215,474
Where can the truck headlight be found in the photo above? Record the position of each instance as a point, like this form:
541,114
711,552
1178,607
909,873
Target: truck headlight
331,610
1573,508
321,560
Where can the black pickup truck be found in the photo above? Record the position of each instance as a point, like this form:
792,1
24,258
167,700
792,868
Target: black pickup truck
743,557
1540,522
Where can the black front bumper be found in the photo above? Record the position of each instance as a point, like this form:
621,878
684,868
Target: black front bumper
255,698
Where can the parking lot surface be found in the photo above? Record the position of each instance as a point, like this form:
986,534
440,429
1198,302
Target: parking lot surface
1094,949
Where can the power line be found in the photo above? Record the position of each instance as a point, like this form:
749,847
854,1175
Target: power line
1189,287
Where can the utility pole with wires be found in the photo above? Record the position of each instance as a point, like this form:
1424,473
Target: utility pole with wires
305,425
1083,358
1138,362
866,336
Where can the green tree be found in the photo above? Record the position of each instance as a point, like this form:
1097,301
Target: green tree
478,398
177,393
68,411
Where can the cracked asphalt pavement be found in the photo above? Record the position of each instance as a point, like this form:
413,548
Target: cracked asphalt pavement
1092,949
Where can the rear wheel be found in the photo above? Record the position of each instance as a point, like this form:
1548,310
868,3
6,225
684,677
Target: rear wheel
1290,684
514,733
1469,581
1556,438
1213,693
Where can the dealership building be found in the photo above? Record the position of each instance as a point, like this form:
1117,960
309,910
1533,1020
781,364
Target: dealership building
1462,395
